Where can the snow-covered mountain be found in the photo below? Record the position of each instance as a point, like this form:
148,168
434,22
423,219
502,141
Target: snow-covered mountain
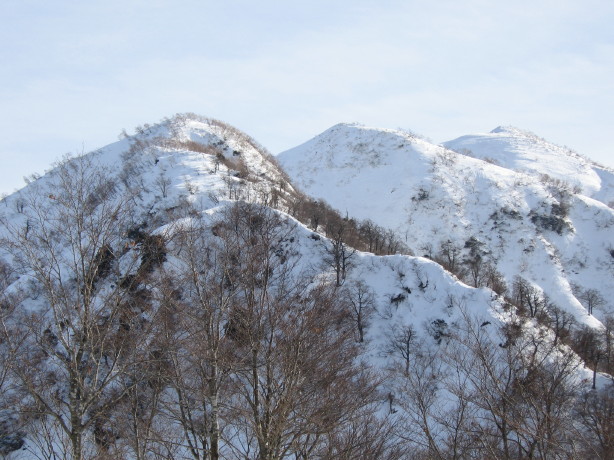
437,200
114,253
523,151
195,164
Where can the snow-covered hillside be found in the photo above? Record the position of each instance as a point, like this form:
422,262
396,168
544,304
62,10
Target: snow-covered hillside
191,163
538,228
161,298
523,151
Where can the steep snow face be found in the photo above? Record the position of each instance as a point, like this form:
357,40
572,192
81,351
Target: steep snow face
520,150
526,226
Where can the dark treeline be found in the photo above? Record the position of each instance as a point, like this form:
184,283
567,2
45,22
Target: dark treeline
363,235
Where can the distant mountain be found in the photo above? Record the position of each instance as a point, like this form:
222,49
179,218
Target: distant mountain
523,151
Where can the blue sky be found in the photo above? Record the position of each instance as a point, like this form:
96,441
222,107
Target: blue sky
75,73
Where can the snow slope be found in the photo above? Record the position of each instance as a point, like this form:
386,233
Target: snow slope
166,171
520,150
537,228
186,158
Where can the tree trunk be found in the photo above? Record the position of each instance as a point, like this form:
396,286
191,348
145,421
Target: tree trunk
214,435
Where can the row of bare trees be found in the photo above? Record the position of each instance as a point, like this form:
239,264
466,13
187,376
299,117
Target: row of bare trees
269,353
363,235
487,393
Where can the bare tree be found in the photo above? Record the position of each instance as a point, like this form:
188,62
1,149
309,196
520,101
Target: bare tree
561,323
367,436
72,334
372,234
339,253
591,298
294,366
608,343
401,344
595,411
449,256
418,396
163,183
140,427
361,301
589,344
489,393
527,297
11,420
526,386
206,278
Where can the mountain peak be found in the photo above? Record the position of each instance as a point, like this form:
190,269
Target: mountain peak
503,129
521,150
348,124
514,131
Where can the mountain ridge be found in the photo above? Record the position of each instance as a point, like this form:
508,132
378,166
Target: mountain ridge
424,186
